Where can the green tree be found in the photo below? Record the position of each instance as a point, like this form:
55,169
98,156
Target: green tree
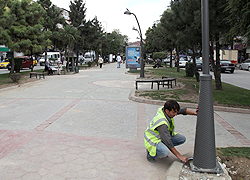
52,18
239,18
3,19
160,55
191,17
23,28
169,30
168,35
218,27
77,18
117,42
70,36
77,13
96,35
153,40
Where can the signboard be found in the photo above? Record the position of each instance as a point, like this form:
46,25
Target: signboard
133,54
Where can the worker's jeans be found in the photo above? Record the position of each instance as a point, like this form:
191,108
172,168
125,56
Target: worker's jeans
163,151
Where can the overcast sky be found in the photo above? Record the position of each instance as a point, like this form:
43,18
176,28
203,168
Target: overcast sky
111,14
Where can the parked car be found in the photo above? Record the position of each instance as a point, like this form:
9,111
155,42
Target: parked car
198,64
26,62
182,62
167,60
245,65
4,63
42,61
225,65
53,58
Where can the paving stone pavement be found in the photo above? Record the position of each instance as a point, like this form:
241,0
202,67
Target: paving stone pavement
84,126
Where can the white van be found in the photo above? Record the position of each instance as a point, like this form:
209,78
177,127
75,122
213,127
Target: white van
89,56
53,58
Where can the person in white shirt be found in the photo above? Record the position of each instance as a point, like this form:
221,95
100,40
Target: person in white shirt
119,59
100,61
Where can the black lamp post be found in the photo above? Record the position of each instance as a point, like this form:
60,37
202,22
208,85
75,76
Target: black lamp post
204,151
141,59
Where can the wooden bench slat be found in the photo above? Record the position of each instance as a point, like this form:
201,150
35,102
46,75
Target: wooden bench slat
158,81
37,73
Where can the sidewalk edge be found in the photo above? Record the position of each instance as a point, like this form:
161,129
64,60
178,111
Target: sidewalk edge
173,171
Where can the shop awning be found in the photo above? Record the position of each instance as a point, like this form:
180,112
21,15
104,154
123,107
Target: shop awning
5,49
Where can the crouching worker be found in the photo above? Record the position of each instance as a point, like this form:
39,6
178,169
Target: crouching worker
160,138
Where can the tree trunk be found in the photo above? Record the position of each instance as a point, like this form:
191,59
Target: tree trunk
97,57
32,62
171,56
77,57
216,67
67,65
12,62
196,73
46,55
178,58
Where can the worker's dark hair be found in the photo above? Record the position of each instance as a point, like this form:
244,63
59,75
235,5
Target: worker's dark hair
171,104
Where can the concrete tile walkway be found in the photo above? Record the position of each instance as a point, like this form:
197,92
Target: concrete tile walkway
84,126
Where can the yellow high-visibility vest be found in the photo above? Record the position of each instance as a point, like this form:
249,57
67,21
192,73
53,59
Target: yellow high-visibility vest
151,135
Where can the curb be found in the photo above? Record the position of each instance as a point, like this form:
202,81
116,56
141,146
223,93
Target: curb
132,97
173,171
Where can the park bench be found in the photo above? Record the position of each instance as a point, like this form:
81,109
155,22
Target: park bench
163,82
165,77
37,74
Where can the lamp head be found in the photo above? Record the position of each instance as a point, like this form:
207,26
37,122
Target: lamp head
128,12
134,29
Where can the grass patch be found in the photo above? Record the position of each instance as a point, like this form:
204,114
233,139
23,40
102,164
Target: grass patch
234,151
230,95
165,95
155,95
5,79
137,71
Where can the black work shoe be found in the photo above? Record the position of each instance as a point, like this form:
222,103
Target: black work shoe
149,158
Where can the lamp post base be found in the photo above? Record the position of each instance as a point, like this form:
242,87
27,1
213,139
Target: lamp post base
217,170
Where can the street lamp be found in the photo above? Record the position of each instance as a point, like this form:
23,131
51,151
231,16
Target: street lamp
140,34
204,151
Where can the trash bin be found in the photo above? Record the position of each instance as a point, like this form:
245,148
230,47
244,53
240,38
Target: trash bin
77,69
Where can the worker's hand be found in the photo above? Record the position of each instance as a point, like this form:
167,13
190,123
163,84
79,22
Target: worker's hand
183,159
197,110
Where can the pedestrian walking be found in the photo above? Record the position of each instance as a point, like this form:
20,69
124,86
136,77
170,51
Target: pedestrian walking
160,138
59,68
100,61
118,59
